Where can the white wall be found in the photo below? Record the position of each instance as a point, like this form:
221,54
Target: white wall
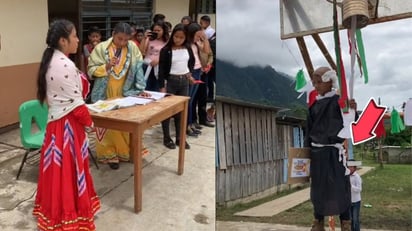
174,10
23,28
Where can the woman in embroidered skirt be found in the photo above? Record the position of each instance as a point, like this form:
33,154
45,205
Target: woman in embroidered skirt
66,199
116,67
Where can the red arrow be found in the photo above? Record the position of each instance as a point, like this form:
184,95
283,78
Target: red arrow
364,129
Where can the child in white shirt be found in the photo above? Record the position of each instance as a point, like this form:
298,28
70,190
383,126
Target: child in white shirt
356,188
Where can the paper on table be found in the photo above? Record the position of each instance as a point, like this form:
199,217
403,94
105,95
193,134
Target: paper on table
131,101
103,105
155,95
108,105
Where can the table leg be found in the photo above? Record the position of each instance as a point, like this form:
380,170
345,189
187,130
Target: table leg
183,128
135,151
132,148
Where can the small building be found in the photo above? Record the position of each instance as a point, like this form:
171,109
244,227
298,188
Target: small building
24,24
252,143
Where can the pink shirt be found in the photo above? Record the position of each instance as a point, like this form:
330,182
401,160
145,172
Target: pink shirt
197,59
153,49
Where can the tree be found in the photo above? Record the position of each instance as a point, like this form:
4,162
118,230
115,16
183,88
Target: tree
402,139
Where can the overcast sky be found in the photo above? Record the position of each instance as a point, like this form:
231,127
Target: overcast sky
249,34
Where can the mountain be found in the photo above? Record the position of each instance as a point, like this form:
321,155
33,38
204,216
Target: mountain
255,84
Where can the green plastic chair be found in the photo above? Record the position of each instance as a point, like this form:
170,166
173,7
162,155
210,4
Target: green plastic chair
29,112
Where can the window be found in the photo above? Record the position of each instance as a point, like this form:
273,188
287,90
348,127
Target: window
206,6
107,13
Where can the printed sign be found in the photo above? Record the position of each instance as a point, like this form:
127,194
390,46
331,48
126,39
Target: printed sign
298,165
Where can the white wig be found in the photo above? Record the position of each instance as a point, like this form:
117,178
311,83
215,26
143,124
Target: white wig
331,76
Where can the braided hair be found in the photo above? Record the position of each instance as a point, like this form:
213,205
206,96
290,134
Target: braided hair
60,28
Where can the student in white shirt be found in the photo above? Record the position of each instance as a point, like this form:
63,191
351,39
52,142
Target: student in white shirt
176,63
205,24
356,189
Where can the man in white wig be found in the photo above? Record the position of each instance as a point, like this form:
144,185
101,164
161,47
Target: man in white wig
330,184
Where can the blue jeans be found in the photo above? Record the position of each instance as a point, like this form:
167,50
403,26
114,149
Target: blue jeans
192,92
211,80
354,213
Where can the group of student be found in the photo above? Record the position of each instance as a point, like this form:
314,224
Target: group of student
200,40
175,60
128,63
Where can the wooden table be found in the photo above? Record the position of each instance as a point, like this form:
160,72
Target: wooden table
136,120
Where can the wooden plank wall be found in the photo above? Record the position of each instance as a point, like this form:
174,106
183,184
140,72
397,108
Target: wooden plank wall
251,151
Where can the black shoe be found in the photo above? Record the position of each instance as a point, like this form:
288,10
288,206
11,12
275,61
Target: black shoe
114,166
169,143
191,133
197,126
207,124
196,131
187,146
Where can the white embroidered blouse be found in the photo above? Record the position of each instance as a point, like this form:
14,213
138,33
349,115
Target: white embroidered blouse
64,86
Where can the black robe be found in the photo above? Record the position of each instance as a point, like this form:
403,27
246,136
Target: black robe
330,188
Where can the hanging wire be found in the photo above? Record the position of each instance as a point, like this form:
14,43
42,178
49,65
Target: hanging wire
290,52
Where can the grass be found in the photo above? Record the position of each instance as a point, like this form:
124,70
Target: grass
387,189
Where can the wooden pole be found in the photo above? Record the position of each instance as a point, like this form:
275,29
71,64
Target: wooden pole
305,55
380,153
380,143
325,51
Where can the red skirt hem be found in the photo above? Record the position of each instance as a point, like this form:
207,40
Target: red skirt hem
80,220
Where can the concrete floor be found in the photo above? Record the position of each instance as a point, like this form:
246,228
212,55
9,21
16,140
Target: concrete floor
252,226
170,202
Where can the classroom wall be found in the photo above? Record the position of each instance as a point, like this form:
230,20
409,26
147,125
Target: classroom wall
174,10
23,28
